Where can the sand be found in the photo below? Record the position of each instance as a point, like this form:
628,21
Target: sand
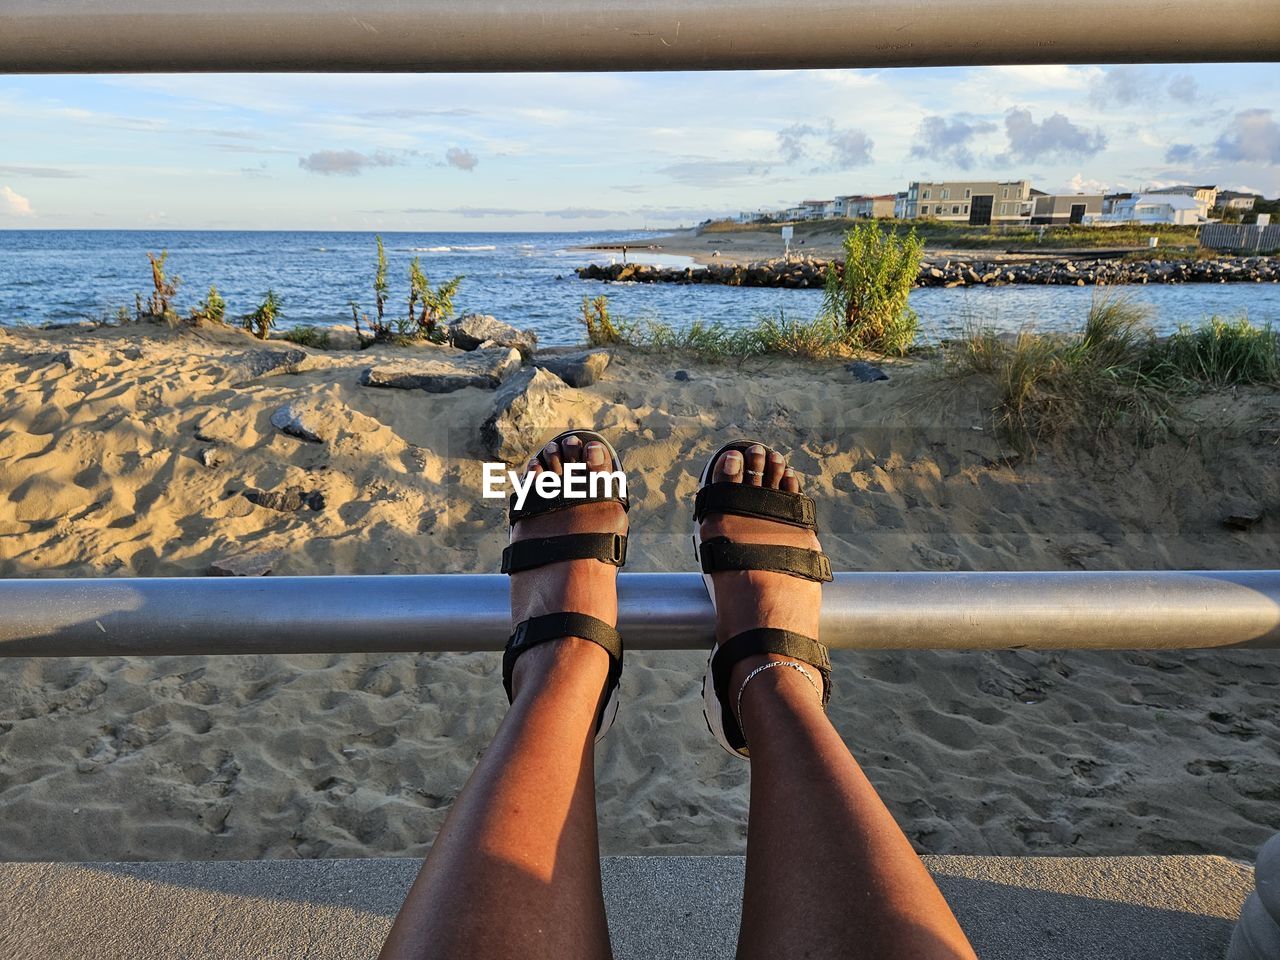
336,756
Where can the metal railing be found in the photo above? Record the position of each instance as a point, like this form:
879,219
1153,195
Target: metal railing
96,36
659,611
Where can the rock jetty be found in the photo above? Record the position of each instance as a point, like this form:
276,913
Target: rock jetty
807,272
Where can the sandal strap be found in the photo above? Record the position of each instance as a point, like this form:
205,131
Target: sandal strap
721,553
749,643
536,505
610,548
763,502
556,626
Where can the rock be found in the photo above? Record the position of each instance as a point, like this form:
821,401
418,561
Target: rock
579,369
475,329
209,456
936,558
302,420
681,375
257,563
1242,516
866,372
290,500
255,364
482,368
523,410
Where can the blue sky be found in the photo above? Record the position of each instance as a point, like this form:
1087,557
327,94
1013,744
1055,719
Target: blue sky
603,151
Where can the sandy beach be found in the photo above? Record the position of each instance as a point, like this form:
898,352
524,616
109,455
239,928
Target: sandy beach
129,452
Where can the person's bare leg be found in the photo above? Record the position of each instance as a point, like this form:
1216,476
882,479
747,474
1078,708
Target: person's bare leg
829,872
515,870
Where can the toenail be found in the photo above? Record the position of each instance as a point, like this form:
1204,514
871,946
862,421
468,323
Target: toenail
775,457
788,472
732,462
551,449
757,449
595,454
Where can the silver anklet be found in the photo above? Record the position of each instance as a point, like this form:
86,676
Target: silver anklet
769,666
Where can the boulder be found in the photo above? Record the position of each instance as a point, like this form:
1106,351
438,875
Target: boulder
302,420
255,364
289,500
476,329
1242,515
866,372
580,369
256,563
523,410
209,456
481,368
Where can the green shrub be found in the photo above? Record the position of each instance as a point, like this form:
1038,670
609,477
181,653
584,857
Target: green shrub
867,295
264,317
308,336
436,302
1223,353
164,289
600,328
212,308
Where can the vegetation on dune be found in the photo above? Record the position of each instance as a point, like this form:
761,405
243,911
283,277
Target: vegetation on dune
1114,371
163,290
308,336
212,309
428,307
262,318
867,294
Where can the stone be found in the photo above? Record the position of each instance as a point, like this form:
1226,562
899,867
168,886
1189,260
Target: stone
866,372
302,420
1242,516
473,330
580,369
257,563
481,368
681,375
289,500
936,558
209,456
523,410
255,364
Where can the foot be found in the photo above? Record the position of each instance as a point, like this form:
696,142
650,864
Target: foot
571,586
747,599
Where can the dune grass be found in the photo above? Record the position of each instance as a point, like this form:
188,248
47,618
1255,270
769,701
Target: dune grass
1113,371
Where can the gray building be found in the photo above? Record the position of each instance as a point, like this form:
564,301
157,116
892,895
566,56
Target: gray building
976,202
1066,208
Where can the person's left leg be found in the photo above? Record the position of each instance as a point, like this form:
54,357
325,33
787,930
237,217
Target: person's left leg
515,870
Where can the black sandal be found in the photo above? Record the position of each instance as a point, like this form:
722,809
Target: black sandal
520,555
721,553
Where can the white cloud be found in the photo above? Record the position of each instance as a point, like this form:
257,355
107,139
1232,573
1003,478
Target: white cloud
14,203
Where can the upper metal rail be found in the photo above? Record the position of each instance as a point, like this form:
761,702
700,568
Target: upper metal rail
658,611
99,36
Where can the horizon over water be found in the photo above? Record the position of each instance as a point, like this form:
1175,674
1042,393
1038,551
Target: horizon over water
523,278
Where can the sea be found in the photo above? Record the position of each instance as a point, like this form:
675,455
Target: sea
528,279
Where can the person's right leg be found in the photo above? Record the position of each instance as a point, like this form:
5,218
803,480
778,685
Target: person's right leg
829,873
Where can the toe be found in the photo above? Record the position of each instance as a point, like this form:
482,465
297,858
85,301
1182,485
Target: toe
550,456
728,468
755,461
790,481
571,449
774,467
597,456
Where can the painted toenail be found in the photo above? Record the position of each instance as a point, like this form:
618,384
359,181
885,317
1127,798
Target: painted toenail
595,454
732,463
775,457
551,449
788,472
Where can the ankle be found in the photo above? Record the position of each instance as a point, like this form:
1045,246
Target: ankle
760,684
571,662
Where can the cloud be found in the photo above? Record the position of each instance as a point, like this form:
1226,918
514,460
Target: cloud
828,146
1253,136
1080,184
940,139
582,213
410,113
1053,137
1181,153
14,204
347,163
462,159
700,172
1124,85
52,173
1183,87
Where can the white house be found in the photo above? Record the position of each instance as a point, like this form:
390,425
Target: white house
1156,208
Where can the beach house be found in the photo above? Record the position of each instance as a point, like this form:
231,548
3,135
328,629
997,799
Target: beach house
1175,208
1057,209
976,202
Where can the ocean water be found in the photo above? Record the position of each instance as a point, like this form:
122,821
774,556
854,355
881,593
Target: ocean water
528,279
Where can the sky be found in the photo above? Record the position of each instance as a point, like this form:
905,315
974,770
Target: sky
607,151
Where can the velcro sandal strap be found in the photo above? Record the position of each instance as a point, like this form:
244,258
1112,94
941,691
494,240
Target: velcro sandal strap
721,553
759,641
556,626
610,548
762,502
